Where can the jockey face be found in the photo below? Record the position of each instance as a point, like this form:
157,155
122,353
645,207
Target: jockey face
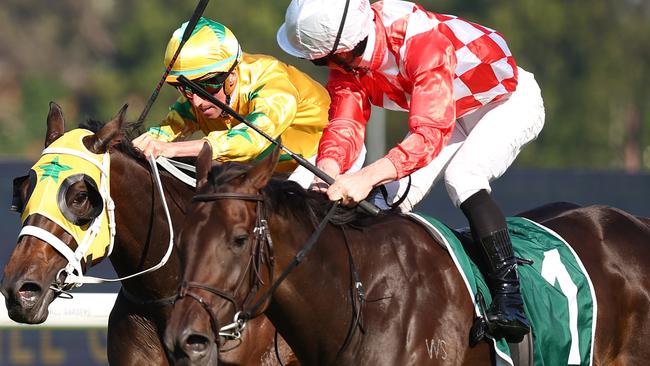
208,109
347,61
214,87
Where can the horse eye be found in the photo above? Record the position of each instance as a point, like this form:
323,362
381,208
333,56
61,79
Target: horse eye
240,240
80,198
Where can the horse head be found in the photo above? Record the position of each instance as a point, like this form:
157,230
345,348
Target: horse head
58,203
224,236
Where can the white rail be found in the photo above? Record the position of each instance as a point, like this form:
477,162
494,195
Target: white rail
85,310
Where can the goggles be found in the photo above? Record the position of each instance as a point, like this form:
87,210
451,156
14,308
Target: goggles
212,85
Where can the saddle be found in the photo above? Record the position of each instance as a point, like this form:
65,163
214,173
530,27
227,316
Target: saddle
522,352
554,282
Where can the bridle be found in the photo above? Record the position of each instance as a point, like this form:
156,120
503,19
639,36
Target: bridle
262,251
263,246
72,275
262,233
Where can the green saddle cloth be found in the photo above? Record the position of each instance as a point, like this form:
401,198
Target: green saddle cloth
558,295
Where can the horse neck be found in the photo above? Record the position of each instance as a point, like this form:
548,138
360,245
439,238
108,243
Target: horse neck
142,232
305,296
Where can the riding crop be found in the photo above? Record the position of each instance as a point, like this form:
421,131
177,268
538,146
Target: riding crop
365,205
191,24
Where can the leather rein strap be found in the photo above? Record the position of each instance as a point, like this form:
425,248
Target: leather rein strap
207,197
263,234
297,259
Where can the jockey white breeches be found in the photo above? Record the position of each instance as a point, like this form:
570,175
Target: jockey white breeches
304,177
478,153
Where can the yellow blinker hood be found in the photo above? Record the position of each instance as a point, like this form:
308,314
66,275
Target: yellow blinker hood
64,158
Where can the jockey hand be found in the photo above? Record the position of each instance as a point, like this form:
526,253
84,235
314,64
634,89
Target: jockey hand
329,167
149,145
352,188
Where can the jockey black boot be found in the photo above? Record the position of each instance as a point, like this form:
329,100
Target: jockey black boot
505,316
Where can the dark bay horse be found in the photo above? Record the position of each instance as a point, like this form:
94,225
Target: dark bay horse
417,311
137,321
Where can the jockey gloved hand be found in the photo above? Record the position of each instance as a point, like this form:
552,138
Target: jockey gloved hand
353,187
150,146
331,168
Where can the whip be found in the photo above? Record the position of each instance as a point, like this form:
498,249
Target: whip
365,205
200,7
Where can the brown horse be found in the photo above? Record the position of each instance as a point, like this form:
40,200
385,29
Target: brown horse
142,307
415,295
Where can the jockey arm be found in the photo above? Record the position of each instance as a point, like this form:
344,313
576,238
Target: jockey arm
343,137
180,122
430,67
272,105
429,63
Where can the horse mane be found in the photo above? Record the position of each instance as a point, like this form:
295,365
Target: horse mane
124,146
289,199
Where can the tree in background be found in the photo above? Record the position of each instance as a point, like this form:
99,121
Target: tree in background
591,59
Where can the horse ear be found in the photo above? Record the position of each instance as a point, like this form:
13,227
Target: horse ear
203,163
260,174
110,133
55,124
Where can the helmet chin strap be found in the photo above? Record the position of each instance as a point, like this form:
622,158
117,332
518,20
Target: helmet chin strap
228,90
228,87
341,26
332,54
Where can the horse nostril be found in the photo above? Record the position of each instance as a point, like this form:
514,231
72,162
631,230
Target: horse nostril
196,343
29,291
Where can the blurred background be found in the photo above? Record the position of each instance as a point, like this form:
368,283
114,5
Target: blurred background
591,59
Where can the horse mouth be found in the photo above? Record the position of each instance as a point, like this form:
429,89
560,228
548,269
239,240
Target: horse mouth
187,339
194,350
29,305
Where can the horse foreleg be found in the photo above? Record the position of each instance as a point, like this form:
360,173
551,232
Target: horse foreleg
133,339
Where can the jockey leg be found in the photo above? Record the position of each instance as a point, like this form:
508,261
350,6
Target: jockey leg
505,317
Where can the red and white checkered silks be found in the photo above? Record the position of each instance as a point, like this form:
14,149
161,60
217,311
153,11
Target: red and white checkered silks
485,70
438,67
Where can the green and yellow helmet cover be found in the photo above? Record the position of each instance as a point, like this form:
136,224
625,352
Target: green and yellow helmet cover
53,172
212,48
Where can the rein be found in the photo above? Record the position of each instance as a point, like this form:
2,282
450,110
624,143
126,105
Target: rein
80,279
262,233
262,236
297,259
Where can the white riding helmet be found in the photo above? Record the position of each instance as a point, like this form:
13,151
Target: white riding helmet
311,27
